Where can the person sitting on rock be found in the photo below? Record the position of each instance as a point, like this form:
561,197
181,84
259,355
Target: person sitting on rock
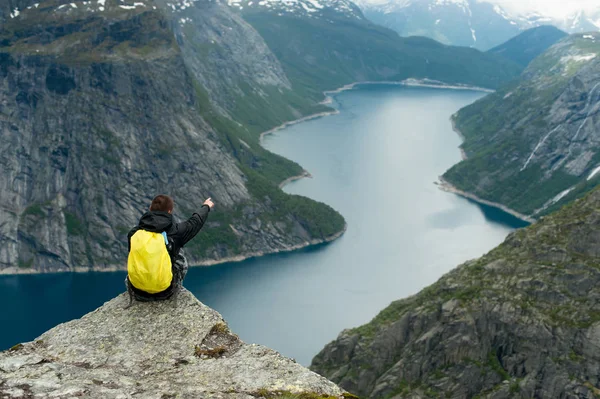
156,265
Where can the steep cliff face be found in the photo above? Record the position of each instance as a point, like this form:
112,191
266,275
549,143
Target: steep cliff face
102,109
533,144
170,349
522,321
223,52
242,77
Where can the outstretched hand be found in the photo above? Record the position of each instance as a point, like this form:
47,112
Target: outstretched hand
209,202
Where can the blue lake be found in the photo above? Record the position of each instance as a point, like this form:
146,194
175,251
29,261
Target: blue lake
375,162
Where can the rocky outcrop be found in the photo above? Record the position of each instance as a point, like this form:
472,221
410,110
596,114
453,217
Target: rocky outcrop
177,348
520,322
533,144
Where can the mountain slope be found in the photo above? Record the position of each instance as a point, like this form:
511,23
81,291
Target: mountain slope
107,104
533,145
521,321
333,46
523,48
478,24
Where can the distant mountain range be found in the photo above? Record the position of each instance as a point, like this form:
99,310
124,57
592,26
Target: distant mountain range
471,23
325,44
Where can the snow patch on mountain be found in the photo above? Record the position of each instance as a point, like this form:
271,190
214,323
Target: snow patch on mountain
576,20
94,6
594,173
577,58
500,11
580,21
311,8
463,4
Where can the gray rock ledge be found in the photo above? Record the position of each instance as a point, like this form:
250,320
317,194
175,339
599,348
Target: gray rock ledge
173,349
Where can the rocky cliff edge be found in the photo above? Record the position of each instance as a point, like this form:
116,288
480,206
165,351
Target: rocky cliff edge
173,349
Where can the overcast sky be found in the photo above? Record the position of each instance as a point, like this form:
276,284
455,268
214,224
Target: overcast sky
555,8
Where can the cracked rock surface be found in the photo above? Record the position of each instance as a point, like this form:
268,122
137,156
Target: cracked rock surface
150,350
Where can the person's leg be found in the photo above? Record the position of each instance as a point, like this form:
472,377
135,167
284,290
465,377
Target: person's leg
180,268
129,292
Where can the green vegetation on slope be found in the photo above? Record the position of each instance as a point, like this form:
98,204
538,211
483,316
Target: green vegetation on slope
264,171
78,38
542,112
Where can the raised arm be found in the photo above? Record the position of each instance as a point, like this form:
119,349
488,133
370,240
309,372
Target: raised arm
188,229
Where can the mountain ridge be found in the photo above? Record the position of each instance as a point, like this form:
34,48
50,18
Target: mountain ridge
328,53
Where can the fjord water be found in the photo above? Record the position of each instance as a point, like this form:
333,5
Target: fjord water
376,162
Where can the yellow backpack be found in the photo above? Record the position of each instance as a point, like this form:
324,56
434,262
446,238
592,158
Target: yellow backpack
149,263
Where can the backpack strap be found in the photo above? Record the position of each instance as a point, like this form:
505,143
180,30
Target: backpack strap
169,244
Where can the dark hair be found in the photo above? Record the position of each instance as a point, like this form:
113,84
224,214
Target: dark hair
162,203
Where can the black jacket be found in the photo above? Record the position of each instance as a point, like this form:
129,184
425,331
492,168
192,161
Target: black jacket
179,233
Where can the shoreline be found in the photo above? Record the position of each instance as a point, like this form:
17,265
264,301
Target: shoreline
294,178
411,82
444,185
295,122
14,271
252,255
463,154
329,94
